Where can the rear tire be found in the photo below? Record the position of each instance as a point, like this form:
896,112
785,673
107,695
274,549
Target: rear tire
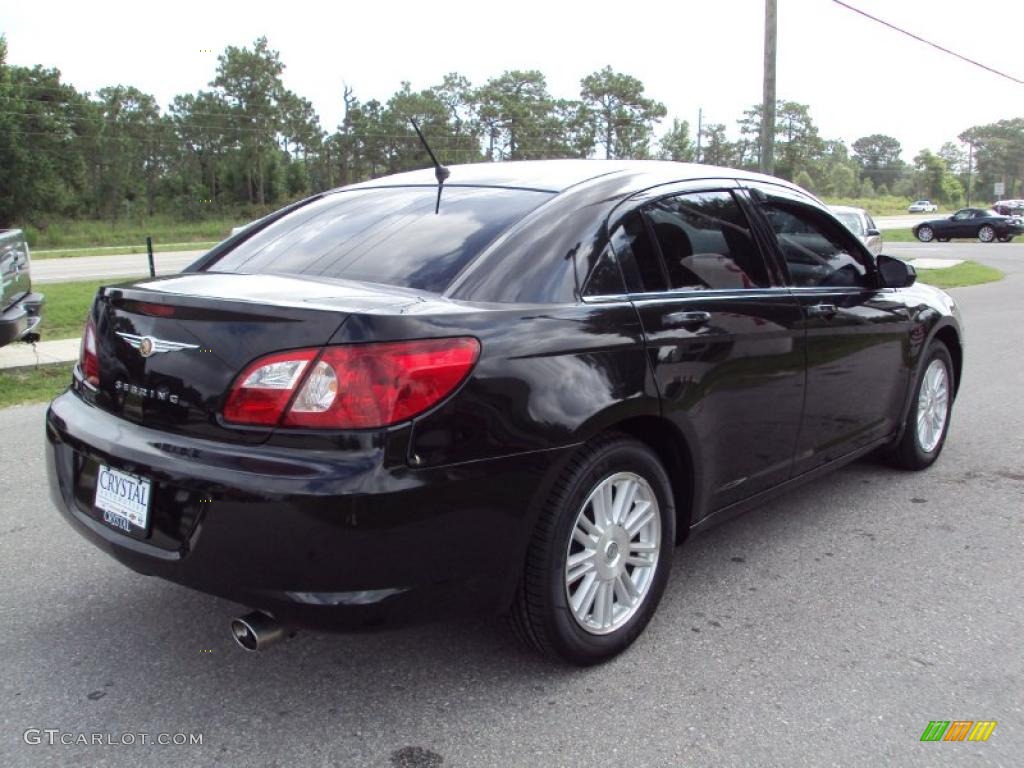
986,233
576,550
1006,238
925,234
927,423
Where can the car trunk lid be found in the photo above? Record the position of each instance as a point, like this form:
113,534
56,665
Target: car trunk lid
169,349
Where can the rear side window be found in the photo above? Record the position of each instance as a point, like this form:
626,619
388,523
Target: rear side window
639,260
706,242
390,235
606,278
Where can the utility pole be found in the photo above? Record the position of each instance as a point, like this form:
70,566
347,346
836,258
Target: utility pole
970,169
700,130
767,154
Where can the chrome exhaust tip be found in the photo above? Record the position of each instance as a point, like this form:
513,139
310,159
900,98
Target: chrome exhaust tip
257,631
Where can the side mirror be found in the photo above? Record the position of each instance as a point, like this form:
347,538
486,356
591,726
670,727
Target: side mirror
872,233
895,272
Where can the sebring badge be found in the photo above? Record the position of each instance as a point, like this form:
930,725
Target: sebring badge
149,345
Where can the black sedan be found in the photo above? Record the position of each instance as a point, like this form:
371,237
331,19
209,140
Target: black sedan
362,411
984,224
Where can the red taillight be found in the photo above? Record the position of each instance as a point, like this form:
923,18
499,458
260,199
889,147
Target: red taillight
350,387
88,358
260,395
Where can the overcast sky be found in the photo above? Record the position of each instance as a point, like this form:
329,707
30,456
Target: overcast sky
858,77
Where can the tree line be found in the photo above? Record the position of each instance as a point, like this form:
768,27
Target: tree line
247,142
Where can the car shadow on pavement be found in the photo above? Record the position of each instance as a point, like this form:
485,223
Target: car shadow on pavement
142,643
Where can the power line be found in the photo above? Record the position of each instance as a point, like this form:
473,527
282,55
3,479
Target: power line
920,39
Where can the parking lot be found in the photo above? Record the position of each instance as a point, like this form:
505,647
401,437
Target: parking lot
826,628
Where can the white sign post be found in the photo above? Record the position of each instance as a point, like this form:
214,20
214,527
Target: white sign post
999,189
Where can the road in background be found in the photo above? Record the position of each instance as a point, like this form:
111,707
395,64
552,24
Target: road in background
905,221
136,264
826,628
1008,257
99,267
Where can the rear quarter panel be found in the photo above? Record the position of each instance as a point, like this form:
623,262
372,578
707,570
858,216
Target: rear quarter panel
548,376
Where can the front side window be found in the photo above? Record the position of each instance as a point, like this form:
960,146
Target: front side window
706,242
962,215
384,235
817,250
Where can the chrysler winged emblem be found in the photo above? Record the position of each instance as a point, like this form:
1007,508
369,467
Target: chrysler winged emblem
150,345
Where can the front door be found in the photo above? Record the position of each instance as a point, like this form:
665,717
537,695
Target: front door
856,336
724,339
961,224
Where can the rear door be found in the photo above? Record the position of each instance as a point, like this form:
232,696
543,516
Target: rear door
857,334
724,338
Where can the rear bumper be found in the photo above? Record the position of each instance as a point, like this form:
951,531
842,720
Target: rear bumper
335,539
22,318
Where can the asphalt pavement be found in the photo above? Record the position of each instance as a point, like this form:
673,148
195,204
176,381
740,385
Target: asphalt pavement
826,628
905,221
100,267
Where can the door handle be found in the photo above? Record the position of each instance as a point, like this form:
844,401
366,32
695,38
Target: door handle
684,319
822,310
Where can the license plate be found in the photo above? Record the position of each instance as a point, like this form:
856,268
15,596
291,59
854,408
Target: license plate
123,499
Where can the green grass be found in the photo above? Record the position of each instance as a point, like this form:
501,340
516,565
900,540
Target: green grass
967,273
33,385
89,233
66,306
110,250
898,236
889,205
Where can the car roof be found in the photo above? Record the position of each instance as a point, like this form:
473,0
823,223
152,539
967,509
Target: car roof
559,175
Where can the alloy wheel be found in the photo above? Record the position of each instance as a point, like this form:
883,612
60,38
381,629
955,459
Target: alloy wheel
612,553
986,234
925,234
932,406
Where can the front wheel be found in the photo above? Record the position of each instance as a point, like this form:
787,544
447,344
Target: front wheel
925,234
600,555
927,422
986,234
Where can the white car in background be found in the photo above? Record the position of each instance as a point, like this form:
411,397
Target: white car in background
859,221
922,206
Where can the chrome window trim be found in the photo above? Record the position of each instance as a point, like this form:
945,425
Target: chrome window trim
684,295
727,293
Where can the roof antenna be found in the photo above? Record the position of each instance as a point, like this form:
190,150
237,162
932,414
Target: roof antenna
440,172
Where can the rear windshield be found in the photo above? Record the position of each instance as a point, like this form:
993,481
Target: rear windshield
852,220
389,236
